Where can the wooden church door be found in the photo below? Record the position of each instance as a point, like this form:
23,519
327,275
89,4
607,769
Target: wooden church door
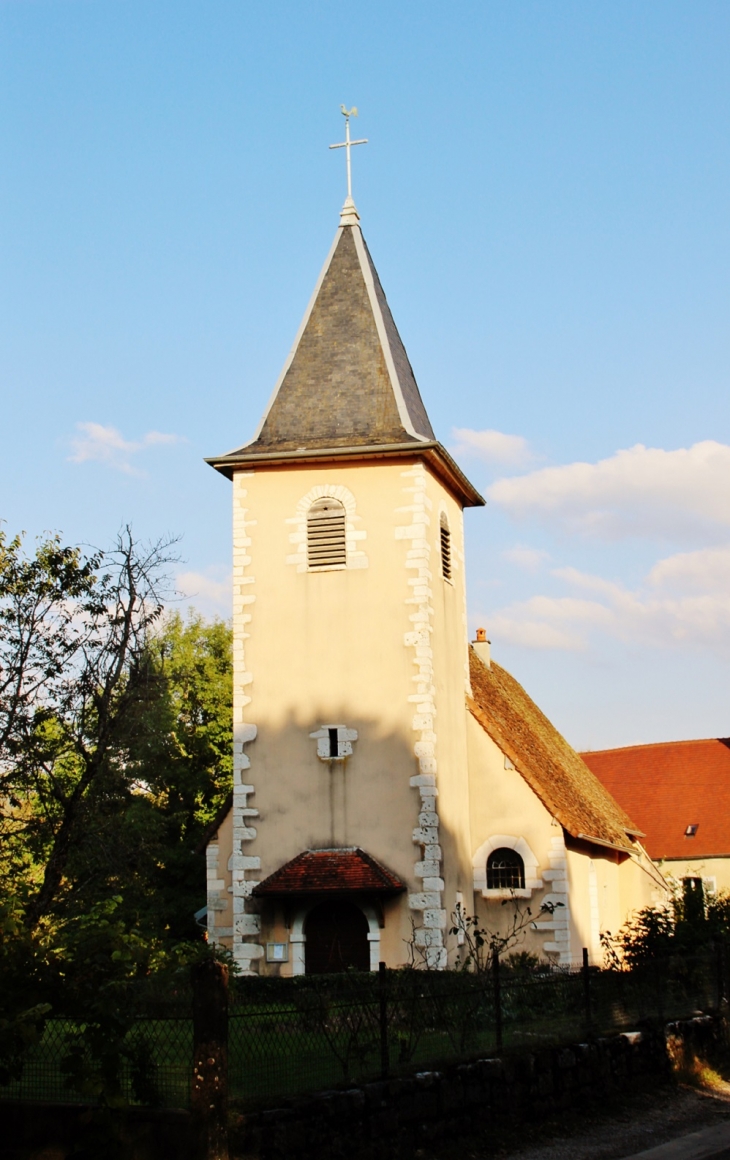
337,938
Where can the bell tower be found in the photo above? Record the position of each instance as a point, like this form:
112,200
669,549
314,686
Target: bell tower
347,837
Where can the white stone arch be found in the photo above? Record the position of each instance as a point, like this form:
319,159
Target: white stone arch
356,558
297,937
510,842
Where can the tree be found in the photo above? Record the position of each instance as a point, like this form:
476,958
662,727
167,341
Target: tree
74,641
145,818
115,753
677,931
38,638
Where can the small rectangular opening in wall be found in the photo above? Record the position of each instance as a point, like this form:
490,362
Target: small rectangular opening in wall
334,743
277,952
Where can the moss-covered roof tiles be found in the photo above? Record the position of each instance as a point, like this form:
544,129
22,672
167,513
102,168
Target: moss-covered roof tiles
550,766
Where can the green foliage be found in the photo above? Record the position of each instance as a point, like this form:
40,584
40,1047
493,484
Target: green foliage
684,927
22,984
115,755
482,944
146,818
74,630
19,1032
115,735
108,978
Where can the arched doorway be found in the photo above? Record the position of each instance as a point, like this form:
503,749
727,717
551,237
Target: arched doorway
337,938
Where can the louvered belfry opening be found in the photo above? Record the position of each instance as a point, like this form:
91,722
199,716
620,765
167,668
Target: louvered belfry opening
326,540
445,549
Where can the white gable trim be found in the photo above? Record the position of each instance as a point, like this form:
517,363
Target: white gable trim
380,325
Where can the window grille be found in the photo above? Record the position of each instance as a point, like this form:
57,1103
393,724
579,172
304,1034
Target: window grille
326,542
445,549
505,870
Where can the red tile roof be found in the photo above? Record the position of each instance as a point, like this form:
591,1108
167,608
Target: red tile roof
329,872
668,787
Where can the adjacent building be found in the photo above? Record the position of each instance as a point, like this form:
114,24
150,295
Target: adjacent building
678,792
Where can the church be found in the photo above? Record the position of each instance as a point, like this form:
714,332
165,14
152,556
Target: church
386,770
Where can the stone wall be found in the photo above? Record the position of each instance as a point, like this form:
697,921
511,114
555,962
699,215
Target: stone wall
393,1118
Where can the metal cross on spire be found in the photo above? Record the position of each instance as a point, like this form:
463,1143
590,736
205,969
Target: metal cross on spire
347,144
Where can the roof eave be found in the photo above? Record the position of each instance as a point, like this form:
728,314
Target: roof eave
434,453
627,849
526,773
318,891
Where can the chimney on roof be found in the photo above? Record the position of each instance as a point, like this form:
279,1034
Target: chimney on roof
481,647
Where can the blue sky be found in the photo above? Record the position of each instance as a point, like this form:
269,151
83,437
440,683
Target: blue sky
545,197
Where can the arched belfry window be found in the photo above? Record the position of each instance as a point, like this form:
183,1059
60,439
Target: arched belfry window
326,539
445,548
505,870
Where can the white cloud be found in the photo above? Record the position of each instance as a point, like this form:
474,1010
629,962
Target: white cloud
211,592
492,446
107,445
705,571
643,491
528,558
684,602
535,634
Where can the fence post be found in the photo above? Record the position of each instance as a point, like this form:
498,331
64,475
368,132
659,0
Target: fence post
209,1090
383,999
720,964
497,998
587,989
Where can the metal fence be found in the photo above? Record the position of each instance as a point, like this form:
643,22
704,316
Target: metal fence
152,1064
288,1036
309,1034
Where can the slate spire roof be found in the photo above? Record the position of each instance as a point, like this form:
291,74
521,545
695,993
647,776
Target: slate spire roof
347,385
347,380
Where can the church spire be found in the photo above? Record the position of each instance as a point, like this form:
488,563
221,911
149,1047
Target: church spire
347,387
347,381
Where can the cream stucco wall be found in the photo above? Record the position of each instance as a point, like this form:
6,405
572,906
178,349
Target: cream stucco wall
503,807
379,647
606,889
592,889
714,871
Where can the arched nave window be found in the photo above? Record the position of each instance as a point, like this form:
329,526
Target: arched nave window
505,870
